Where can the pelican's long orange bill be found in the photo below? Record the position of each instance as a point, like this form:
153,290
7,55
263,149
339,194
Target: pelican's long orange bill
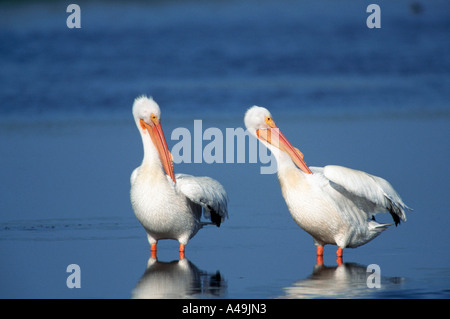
157,135
276,138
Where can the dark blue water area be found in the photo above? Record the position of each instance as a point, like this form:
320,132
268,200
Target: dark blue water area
218,57
370,99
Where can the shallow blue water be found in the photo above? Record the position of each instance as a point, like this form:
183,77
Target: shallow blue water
376,100
214,57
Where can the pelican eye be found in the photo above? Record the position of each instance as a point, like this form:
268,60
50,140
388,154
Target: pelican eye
269,121
154,118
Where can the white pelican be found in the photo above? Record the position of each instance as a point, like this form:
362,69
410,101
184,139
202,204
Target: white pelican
169,206
334,204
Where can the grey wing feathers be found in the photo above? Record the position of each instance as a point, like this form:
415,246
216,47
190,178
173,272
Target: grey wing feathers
374,189
206,192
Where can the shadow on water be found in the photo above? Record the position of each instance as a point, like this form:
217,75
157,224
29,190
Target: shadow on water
178,279
64,229
346,280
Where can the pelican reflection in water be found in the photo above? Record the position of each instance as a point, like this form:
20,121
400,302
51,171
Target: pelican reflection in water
348,280
178,279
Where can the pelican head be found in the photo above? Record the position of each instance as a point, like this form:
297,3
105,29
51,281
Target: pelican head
256,118
259,122
144,108
147,115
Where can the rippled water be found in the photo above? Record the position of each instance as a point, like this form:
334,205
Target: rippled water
375,100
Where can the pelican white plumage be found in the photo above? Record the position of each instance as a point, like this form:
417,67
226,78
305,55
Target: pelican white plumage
169,206
334,204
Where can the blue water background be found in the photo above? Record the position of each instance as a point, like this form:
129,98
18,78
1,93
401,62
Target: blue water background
371,99
222,56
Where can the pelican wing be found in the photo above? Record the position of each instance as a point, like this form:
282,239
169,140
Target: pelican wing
206,192
372,188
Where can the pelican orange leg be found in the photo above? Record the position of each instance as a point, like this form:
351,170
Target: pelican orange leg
182,247
319,250
339,254
319,259
153,250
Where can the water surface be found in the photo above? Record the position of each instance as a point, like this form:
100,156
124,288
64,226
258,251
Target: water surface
375,100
